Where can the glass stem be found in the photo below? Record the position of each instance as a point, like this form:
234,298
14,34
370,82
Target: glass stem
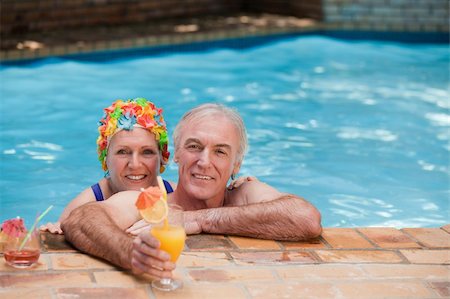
166,280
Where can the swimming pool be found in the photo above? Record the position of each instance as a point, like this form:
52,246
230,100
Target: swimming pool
359,128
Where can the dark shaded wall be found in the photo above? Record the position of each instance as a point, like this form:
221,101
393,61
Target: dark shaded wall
22,16
298,8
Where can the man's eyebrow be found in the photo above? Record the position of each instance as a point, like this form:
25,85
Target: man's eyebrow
189,140
223,145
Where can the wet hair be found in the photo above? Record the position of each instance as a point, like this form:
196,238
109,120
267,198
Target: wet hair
209,109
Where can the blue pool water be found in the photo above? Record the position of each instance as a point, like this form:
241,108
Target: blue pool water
359,128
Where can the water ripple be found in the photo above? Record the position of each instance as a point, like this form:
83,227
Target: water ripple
377,134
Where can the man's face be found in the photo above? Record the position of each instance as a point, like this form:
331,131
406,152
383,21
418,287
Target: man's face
207,156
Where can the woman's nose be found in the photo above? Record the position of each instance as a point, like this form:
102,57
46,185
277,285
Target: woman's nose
134,160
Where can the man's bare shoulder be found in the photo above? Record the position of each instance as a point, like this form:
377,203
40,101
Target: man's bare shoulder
251,192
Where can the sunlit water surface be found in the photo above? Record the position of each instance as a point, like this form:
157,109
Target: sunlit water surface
360,129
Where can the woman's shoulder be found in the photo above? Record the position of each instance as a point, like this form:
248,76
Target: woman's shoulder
172,185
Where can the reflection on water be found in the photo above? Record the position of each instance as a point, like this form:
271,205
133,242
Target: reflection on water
361,129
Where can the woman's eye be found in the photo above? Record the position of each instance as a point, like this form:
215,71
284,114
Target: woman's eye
148,152
122,152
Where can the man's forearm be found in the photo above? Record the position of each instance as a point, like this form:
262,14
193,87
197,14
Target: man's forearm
90,229
287,218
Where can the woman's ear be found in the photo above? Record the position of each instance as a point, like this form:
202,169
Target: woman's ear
236,168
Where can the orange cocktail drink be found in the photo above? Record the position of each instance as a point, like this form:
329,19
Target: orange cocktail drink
153,207
172,238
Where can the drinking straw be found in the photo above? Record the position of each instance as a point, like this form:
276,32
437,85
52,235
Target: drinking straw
162,187
164,192
33,227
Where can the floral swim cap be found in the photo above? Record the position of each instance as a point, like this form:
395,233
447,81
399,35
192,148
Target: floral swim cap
125,115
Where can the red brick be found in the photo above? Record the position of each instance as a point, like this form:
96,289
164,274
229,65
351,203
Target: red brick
383,289
251,243
25,293
386,237
407,271
203,290
313,243
292,289
320,272
417,256
42,280
345,238
273,258
430,237
208,242
203,259
102,293
441,287
359,256
78,261
446,228
231,274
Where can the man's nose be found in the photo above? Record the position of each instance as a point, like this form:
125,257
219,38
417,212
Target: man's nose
204,158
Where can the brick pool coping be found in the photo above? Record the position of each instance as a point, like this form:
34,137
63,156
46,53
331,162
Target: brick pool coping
167,33
343,263
172,33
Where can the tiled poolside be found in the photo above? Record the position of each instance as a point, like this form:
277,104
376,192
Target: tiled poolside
342,263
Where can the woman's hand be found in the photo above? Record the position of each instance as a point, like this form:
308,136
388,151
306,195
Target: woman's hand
138,227
54,228
239,181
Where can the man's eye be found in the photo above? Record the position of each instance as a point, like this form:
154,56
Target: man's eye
221,152
122,152
193,146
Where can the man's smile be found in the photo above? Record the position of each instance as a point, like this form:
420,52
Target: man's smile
202,177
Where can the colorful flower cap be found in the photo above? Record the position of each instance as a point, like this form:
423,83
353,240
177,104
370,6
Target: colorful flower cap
125,115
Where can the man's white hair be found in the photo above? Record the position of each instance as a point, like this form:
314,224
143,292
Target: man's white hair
209,109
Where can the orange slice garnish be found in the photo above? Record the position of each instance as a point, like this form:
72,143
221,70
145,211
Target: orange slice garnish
152,206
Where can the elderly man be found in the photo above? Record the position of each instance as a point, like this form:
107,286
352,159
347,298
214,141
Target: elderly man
210,143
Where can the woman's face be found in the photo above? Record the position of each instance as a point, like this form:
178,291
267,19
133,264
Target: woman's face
133,160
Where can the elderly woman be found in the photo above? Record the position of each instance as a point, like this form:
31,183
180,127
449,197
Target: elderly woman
133,149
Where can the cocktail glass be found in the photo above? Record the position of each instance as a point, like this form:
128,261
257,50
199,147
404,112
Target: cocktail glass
26,256
172,236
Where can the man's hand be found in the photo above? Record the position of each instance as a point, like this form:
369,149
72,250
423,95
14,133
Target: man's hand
147,258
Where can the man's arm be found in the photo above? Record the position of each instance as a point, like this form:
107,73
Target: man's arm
91,229
98,229
258,210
